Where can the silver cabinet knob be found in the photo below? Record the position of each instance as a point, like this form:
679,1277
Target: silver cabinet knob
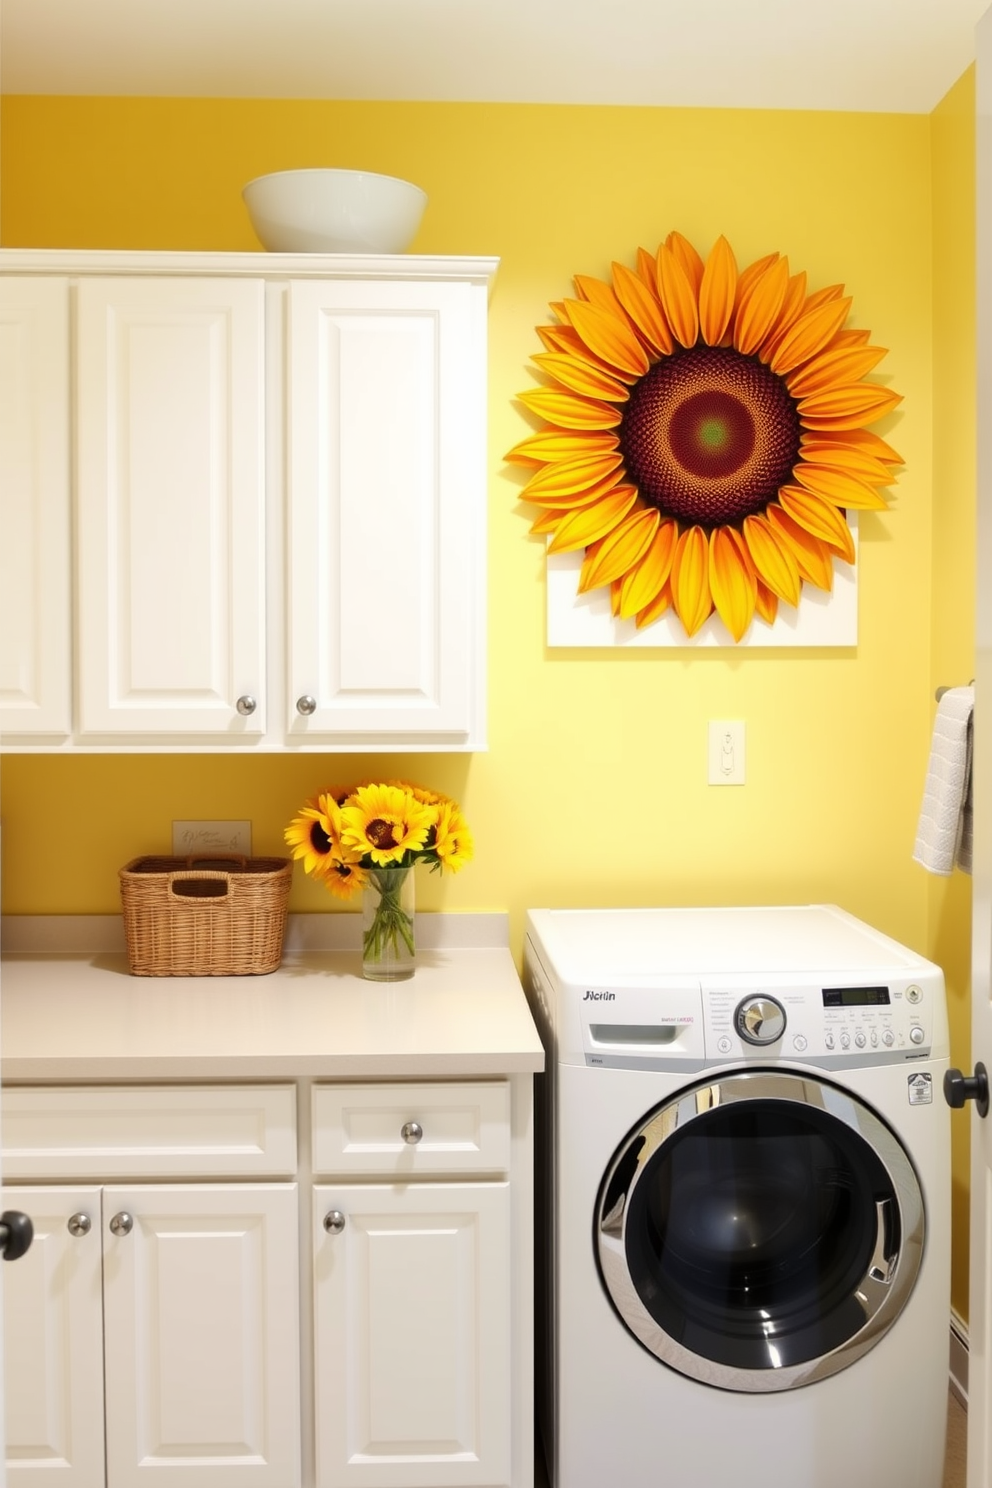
306,705
411,1132
121,1224
246,705
334,1221
79,1224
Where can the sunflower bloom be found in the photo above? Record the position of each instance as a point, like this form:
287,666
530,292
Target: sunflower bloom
314,834
453,840
385,821
705,434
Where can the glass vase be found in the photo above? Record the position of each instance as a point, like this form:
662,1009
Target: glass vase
389,952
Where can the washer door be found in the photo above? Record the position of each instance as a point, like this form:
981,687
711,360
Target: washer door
761,1231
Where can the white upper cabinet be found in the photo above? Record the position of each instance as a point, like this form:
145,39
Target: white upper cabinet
386,407
170,502
35,570
274,467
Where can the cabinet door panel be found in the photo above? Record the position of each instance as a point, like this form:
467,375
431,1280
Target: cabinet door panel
202,1336
53,1345
386,508
35,651
171,506
412,1336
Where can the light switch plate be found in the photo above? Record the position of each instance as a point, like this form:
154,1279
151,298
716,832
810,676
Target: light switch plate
206,837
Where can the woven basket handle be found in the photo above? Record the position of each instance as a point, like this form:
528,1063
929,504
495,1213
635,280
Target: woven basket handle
209,900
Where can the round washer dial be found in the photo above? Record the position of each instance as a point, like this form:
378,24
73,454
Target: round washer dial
760,1020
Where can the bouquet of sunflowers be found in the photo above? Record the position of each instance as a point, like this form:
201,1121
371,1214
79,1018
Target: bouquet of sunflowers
358,837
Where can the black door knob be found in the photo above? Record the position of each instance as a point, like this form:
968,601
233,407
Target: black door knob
959,1088
16,1234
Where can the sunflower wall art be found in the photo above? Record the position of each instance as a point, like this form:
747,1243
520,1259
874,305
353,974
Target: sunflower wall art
705,451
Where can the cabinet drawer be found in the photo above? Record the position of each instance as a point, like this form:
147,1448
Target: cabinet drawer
148,1131
373,1129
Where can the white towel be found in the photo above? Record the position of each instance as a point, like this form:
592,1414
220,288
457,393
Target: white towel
944,834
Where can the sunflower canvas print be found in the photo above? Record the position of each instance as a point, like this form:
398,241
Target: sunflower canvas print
704,452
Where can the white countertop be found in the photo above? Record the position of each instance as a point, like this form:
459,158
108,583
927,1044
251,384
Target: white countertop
80,1016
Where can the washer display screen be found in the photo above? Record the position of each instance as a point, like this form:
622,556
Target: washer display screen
856,997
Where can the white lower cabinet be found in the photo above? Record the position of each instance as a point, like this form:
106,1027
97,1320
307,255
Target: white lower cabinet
412,1335
175,1324
53,1342
194,1331
151,1332
412,1286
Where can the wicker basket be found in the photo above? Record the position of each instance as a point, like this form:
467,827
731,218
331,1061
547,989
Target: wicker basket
217,916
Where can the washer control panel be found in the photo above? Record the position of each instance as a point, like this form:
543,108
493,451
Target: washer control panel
835,1024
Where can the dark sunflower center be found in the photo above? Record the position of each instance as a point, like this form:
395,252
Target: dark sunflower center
709,436
319,840
380,833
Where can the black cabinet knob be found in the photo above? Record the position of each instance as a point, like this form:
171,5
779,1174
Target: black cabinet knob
16,1234
959,1088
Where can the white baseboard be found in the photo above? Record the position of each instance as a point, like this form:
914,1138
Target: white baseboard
959,1358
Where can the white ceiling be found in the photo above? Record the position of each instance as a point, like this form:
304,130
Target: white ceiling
874,55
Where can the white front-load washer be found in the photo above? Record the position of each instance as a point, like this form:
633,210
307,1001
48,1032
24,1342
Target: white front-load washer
744,1157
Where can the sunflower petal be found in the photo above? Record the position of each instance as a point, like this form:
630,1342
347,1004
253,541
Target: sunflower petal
643,307
773,559
822,297
626,545
732,580
562,338
848,407
647,268
690,580
569,410
687,256
819,450
615,598
596,292
678,297
810,334
792,308
812,556
608,336
548,521
820,518
839,487
759,305
589,523
571,477
642,583
753,272
566,501
766,604
835,365
861,439
717,290
561,444
580,377
850,337
654,611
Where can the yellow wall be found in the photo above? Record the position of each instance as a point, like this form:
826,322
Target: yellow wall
594,786
953,538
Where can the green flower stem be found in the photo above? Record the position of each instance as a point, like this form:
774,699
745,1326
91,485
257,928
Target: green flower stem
390,922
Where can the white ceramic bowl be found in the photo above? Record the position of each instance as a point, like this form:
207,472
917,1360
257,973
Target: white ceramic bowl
334,211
